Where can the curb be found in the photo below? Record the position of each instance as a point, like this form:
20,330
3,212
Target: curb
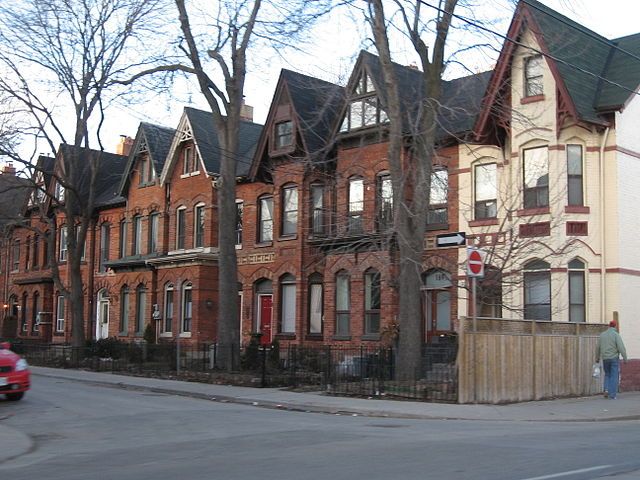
314,408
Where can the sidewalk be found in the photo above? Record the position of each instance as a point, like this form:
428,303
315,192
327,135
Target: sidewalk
584,409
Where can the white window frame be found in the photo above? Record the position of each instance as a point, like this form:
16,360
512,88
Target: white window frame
60,314
62,253
199,229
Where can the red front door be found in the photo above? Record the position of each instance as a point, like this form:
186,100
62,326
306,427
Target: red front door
266,304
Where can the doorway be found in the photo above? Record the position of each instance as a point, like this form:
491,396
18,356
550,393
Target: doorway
102,316
265,309
437,303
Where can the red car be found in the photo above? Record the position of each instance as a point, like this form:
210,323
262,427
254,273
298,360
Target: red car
14,373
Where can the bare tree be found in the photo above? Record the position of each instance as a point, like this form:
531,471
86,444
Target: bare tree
62,63
219,63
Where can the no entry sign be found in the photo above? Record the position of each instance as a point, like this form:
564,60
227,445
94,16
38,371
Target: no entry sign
475,262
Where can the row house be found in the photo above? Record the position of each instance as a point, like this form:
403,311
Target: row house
535,161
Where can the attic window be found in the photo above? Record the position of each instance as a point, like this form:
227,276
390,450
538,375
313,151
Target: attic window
189,161
533,84
364,108
284,134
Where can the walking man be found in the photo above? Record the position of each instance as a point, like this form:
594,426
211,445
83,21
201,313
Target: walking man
609,348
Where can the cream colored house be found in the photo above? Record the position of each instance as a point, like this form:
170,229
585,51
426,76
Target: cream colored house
551,190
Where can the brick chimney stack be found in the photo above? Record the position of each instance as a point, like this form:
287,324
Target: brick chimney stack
124,147
9,169
246,112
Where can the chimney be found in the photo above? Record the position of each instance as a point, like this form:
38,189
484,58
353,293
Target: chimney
124,147
9,169
246,112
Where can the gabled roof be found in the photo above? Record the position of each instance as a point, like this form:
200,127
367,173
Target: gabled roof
593,74
157,140
206,142
14,192
460,98
315,105
110,169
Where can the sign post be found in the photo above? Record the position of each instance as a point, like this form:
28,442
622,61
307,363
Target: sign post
475,270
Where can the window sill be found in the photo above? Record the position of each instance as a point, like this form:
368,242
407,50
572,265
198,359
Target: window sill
484,222
437,226
146,184
315,337
191,174
284,238
532,99
185,335
166,335
286,336
238,247
263,244
341,337
371,337
530,212
576,209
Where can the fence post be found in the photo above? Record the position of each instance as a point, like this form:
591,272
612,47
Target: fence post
263,380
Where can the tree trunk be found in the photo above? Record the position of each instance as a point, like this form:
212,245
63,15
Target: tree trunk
228,319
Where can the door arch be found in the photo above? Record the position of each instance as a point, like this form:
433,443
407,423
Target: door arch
437,289
102,315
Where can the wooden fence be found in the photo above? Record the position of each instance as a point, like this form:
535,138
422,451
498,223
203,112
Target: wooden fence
502,360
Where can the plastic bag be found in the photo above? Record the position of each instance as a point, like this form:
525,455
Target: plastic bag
595,370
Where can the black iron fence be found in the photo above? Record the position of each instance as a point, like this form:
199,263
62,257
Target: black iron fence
361,371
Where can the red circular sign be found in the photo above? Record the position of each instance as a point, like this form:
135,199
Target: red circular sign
475,262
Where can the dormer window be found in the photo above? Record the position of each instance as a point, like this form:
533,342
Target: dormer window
60,191
146,172
364,109
284,134
533,80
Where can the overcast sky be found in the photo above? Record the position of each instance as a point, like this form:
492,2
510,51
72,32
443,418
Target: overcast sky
332,49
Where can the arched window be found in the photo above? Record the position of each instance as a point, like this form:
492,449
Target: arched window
35,313
60,314
124,310
438,196
141,307
343,304
198,226
537,290
536,177
154,228
181,227
123,238
577,291
372,302
168,308
265,219
105,234
318,221
315,304
288,304
137,235
289,215
356,205
384,200
187,306
23,313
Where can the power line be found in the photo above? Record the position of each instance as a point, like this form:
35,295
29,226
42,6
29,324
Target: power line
533,49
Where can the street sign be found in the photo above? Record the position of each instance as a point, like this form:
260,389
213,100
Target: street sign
475,262
454,239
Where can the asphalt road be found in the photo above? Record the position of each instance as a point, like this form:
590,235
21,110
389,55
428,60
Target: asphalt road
85,431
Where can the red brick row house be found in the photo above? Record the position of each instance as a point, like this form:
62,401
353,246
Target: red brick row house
315,247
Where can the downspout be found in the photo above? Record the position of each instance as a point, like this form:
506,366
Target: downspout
603,248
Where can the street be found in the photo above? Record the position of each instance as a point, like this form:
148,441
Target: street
82,430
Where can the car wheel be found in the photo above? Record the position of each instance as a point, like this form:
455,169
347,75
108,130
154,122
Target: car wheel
14,397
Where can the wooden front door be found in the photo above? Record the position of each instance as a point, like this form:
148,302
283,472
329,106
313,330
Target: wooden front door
438,310
265,308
